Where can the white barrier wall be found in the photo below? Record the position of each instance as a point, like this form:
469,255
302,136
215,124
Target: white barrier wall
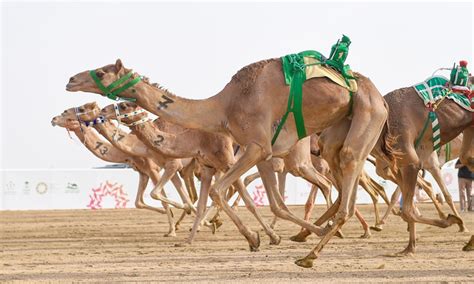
117,188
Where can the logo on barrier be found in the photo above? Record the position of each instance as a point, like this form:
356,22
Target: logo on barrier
9,188
258,195
41,188
113,190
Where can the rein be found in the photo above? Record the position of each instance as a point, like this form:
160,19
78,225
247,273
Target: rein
113,90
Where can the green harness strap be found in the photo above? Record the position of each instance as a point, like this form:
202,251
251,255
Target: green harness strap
295,99
447,151
109,91
431,118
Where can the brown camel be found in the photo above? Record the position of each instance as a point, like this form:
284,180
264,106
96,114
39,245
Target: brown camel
213,151
107,152
433,165
406,119
131,145
407,116
248,109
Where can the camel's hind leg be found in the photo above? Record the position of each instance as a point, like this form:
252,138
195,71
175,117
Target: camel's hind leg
436,173
359,136
281,187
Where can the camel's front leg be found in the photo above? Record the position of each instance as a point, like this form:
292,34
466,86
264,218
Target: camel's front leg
206,178
277,203
157,193
436,173
364,224
274,238
252,155
309,205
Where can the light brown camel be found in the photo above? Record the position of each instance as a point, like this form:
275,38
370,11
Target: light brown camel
107,152
131,145
433,165
212,150
248,108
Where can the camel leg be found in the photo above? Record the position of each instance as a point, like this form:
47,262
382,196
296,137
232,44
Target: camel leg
365,226
281,188
157,192
250,178
304,233
347,162
139,202
409,176
470,245
277,205
188,178
274,238
309,205
429,191
436,173
206,178
395,197
252,155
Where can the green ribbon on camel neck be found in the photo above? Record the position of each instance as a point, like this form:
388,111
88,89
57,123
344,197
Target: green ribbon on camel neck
113,90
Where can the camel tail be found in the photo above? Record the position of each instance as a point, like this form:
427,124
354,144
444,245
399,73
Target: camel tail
389,141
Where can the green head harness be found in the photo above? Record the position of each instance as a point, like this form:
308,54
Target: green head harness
113,90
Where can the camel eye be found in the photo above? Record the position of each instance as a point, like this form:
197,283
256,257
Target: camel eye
122,107
100,73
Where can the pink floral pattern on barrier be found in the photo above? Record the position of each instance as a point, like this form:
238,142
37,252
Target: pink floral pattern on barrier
114,190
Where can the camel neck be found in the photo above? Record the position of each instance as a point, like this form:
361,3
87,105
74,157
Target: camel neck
168,144
100,148
123,141
207,114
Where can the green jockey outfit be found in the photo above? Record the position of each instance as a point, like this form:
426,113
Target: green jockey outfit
339,52
437,88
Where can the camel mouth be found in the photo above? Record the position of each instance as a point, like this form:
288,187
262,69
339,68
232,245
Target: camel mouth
72,87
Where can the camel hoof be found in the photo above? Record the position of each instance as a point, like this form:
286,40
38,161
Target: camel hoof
254,248
452,219
182,245
276,240
170,234
304,262
470,245
218,223
463,228
366,235
297,238
339,234
376,228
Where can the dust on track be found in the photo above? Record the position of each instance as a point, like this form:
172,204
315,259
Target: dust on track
128,245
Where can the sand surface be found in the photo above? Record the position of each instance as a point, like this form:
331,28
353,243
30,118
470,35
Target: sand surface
128,245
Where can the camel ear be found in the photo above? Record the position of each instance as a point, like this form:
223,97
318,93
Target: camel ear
118,65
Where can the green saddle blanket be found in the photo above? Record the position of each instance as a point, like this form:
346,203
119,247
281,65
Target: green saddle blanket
435,88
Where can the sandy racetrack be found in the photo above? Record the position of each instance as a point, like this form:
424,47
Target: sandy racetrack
128,245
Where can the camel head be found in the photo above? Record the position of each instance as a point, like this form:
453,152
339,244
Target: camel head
106,80
71,116
125,112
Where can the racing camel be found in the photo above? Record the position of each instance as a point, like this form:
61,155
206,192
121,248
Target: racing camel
248,109
107,152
